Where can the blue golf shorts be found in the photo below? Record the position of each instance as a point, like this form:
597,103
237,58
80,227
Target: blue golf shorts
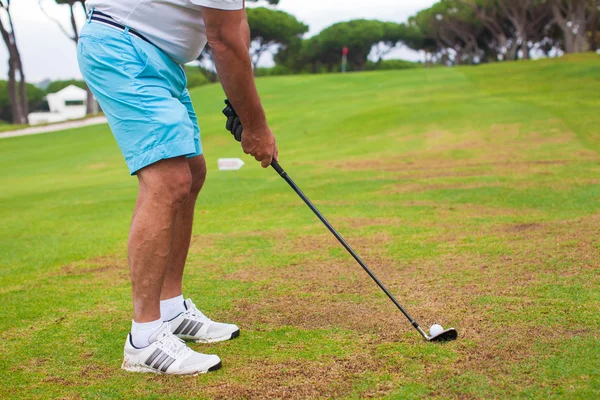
142,93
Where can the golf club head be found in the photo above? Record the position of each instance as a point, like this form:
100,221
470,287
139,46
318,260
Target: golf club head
445,336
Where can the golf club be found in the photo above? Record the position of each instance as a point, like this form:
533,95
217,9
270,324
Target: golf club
440,335
444,335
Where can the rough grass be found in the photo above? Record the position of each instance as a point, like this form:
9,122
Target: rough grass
472,192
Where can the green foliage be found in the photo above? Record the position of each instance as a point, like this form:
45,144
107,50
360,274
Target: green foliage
358,35
323,52
386,65
195,77
271,27
277,70
6,126
299,57
35,98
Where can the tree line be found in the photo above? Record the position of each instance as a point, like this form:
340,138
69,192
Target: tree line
477,31
450,32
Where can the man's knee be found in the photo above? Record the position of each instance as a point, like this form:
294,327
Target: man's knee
198,171
167,181
180,187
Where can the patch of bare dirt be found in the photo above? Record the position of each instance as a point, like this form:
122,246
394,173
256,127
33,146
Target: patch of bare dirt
355,222
318,266
574,242
522,227
504,150
111,267
321,311
440,167
296,379
202,241
414,187
97,166
96,371
467,210
58,380
307,243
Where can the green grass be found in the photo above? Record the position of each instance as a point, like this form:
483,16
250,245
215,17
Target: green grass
472,192
5,126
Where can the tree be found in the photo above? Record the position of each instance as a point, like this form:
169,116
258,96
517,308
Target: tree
272,28
362,37
17,96
528,18
457,34
35,99
574,17
500,29
421,40
458,28
299,57
392,38
206,65
594,24
73,34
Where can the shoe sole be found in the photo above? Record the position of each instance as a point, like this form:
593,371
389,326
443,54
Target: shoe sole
142,369
216,367
219,339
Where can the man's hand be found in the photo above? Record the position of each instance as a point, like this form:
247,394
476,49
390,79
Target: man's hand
260,143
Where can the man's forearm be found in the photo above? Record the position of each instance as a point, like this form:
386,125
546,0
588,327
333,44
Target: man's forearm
235,70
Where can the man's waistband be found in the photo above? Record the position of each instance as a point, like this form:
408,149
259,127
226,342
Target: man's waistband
108,20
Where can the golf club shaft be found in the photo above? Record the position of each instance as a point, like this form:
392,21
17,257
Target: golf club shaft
339,237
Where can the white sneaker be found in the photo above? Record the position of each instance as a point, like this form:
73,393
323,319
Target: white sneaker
167,354
195,326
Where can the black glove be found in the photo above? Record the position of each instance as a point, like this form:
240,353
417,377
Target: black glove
234,125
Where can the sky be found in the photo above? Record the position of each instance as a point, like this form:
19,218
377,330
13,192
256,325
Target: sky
48,53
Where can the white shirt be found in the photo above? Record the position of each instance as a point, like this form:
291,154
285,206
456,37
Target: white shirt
174,26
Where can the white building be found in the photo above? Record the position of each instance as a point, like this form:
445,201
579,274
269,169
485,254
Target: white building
68,103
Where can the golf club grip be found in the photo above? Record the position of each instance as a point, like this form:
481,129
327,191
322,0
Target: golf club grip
277,167
339,237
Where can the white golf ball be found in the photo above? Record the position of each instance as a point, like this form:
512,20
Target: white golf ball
435,330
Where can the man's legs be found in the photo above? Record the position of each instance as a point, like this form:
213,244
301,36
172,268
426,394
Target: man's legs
186,321
172,286
164,188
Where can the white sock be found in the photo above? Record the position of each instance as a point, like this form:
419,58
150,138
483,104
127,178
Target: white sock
141,332
171,308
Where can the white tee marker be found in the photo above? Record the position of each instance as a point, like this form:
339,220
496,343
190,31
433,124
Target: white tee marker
230,164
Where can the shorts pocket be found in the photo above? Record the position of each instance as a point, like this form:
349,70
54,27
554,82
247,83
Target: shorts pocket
141,64
111,49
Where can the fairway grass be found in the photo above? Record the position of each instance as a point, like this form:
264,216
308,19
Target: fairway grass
472,192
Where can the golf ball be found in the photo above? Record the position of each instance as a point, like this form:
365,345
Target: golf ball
435,330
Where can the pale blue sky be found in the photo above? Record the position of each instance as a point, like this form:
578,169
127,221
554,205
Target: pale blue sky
47,53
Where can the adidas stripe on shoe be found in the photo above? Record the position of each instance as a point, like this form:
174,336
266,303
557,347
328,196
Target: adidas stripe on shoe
167,354
195,326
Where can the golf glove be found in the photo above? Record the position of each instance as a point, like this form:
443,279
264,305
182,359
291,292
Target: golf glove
234,125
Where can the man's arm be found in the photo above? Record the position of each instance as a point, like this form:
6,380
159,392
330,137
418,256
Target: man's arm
228,37
245,29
